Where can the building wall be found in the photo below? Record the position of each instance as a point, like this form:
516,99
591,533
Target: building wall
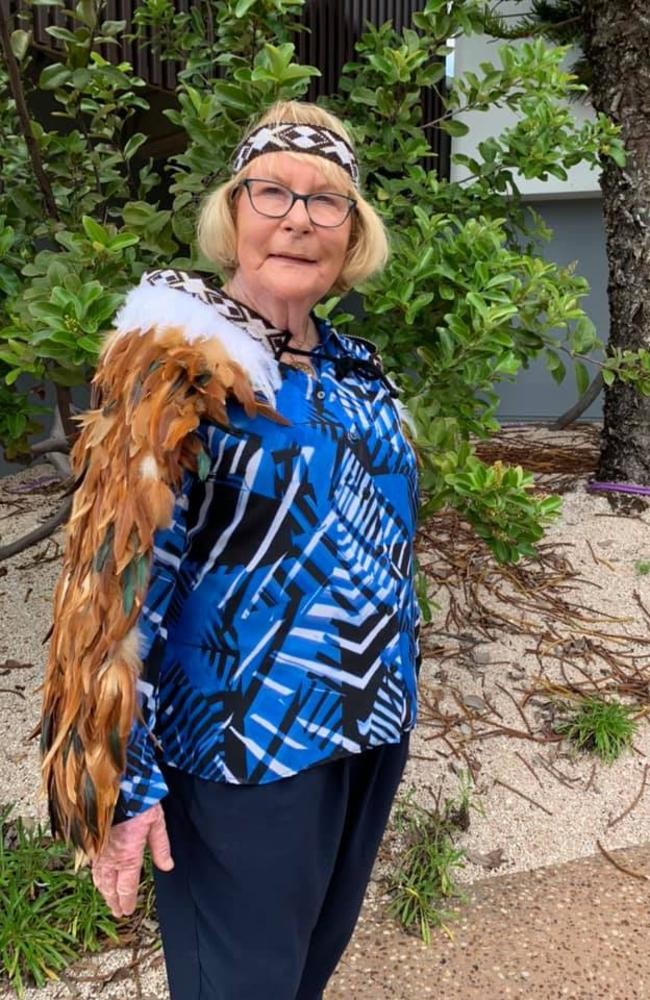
469,53
571,208
579,237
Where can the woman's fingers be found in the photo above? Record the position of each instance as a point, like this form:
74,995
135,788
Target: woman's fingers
128,880
118,886
105,881
116,872
158,841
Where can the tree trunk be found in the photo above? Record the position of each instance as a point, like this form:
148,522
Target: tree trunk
618,47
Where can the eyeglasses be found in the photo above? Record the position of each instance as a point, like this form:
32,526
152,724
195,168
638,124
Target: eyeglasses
324,208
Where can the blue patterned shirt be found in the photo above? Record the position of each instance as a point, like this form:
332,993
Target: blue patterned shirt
280,624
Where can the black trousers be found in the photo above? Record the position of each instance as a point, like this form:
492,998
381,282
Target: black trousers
269,879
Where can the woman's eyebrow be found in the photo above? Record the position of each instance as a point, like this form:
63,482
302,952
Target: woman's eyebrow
323,185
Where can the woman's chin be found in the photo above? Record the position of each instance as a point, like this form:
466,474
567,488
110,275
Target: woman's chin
294,282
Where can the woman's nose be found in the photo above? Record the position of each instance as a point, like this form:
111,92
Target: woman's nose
297,216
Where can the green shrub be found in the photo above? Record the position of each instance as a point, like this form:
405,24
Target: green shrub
466,300
49,913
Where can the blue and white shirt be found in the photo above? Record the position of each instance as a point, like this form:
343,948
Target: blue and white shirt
280,624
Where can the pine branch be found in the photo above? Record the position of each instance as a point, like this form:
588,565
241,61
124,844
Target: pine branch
560,21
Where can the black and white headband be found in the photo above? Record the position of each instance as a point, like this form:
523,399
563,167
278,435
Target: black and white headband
289,137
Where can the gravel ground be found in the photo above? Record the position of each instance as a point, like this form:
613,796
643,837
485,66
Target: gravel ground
575,801
536,803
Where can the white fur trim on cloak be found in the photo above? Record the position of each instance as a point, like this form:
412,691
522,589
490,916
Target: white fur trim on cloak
148,306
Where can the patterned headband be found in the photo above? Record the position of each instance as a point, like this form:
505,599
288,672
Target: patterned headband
298,139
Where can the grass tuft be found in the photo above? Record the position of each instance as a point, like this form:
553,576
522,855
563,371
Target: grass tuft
604,728
49,914
424,880
642,566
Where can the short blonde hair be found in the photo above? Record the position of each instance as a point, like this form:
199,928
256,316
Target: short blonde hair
367,250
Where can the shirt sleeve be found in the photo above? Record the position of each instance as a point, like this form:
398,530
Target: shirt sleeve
142,784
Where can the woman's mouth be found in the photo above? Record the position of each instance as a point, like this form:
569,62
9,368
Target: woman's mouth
292,259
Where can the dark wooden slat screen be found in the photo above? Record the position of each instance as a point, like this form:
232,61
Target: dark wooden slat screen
335,26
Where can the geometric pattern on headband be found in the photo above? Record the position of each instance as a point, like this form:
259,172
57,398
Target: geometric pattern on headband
314,139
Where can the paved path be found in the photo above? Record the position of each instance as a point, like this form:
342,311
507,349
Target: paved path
579,931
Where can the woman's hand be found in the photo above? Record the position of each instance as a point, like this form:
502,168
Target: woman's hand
116,872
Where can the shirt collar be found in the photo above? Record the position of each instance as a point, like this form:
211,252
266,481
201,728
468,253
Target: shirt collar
330,340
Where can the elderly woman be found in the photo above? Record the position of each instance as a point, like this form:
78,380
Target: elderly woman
241,541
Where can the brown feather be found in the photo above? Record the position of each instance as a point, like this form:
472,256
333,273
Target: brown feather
128,459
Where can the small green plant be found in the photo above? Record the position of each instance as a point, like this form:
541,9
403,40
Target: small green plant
642,566
424,881
49,914
601,727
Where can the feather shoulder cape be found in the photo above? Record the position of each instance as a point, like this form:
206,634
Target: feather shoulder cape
172,360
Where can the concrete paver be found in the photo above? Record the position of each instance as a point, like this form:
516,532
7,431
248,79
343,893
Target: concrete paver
577,931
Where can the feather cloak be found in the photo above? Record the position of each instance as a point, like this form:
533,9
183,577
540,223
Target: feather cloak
171,362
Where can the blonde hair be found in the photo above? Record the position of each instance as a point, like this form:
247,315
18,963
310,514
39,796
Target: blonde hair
367,250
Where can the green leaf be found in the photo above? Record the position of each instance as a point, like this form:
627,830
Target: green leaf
63,35
133,145
86,11
47,312
20,41
9,281
122,241
454,127
203,464
94,232
582,378
243,6
618,155
112,27
138,213
477,303
54,76
584,335
233,96
81,78
128,592
555,366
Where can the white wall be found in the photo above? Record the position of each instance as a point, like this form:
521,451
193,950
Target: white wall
469,53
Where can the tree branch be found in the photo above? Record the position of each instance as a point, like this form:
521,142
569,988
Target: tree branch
38,534
578,408
16,87
525,28
64,404
51,444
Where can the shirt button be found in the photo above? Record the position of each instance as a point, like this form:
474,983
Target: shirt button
320,394
353,434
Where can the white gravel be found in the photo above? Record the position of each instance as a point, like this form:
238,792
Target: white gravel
575,814
580,811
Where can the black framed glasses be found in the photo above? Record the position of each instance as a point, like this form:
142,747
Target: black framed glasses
324,208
